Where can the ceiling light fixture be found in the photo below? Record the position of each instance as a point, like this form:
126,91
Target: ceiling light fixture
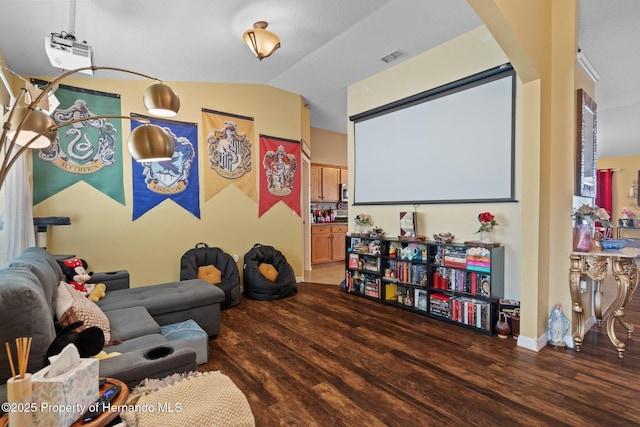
261,42
29,127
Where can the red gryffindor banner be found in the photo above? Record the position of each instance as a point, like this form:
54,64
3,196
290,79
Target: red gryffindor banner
279,175
230,150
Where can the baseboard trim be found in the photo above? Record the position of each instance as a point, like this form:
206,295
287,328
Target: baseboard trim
538,343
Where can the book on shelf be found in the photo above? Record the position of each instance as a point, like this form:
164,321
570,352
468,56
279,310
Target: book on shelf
471,312
372,264
353,260
421,299
456,258
439,304
390,292
479,259
372,287
484,285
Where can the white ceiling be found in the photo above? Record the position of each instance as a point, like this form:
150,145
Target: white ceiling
326,46
609,35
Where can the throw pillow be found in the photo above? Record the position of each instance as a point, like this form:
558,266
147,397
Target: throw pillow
73,306
268,271
210,273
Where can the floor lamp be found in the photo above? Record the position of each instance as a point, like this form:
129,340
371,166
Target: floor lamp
30,127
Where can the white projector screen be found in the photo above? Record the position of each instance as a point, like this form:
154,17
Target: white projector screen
452,144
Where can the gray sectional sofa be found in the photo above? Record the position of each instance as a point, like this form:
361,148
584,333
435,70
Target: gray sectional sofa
28,294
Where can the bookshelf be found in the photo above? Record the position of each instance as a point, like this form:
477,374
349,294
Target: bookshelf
452,282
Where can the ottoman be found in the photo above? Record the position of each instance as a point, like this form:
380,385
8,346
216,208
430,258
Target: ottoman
188,334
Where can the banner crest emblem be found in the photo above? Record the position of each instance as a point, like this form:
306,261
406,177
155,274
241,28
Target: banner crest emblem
84,147
229,151
171,176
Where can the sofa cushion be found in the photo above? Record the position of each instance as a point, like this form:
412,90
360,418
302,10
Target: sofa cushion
210,273
165,298
73,306
46,269
145,341
268,271
188,334
128,323
25,313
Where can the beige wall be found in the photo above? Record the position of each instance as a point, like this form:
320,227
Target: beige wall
536,231
328,147
102,231
466,55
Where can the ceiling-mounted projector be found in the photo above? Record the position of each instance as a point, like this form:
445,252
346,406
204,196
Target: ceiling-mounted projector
65,52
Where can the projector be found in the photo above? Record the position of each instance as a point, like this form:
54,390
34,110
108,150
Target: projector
65,52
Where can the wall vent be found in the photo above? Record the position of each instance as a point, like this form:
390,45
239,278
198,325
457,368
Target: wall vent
393,56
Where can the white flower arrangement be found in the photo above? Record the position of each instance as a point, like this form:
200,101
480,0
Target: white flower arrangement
591,214
363,219
627,213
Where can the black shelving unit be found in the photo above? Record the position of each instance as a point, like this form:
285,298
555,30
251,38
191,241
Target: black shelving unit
452,282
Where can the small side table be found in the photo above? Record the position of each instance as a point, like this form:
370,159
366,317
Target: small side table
106,417
597,266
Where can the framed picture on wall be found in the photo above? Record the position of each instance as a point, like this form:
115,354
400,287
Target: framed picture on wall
586,152
408,224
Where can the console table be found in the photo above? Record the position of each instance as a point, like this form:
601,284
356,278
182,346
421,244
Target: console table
599,265
622,230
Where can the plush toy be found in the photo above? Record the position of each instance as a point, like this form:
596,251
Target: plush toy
89,341
104,355
75,273
99,291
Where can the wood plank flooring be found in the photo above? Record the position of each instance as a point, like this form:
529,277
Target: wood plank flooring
326,358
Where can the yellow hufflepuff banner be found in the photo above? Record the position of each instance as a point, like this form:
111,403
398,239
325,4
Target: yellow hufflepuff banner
229,149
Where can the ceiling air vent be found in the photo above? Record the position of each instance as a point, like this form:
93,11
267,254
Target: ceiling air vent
393,56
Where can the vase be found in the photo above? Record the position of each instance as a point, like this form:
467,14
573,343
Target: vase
582,237
502,326
19,393
487,236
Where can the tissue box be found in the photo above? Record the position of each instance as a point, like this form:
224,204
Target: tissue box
62,399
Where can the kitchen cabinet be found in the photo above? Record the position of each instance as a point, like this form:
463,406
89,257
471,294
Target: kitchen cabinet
325,183
328,243
344,176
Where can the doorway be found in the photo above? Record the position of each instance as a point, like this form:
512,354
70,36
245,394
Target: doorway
331,273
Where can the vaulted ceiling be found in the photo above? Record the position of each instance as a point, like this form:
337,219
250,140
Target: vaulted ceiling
326,45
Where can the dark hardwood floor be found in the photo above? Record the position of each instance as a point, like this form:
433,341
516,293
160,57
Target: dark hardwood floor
326,358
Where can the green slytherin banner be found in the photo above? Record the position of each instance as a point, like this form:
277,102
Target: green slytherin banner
89,151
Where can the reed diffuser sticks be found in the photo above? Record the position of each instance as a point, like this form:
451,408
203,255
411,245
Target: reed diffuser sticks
23,347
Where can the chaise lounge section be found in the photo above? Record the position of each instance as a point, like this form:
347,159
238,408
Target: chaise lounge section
28,297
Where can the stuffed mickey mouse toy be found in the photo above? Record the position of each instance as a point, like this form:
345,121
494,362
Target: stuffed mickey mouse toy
75,272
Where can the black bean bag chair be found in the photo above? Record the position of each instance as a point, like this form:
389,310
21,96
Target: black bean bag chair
202,255
257,286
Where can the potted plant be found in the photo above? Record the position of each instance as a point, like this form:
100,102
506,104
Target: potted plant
487,222
362,221
626,217
585,216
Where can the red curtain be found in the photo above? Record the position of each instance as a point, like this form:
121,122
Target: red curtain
604,198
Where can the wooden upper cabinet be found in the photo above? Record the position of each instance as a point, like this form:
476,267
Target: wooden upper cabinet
344,176
331,184
316,183
325,183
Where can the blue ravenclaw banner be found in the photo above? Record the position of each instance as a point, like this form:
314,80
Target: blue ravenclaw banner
89,151
175,179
